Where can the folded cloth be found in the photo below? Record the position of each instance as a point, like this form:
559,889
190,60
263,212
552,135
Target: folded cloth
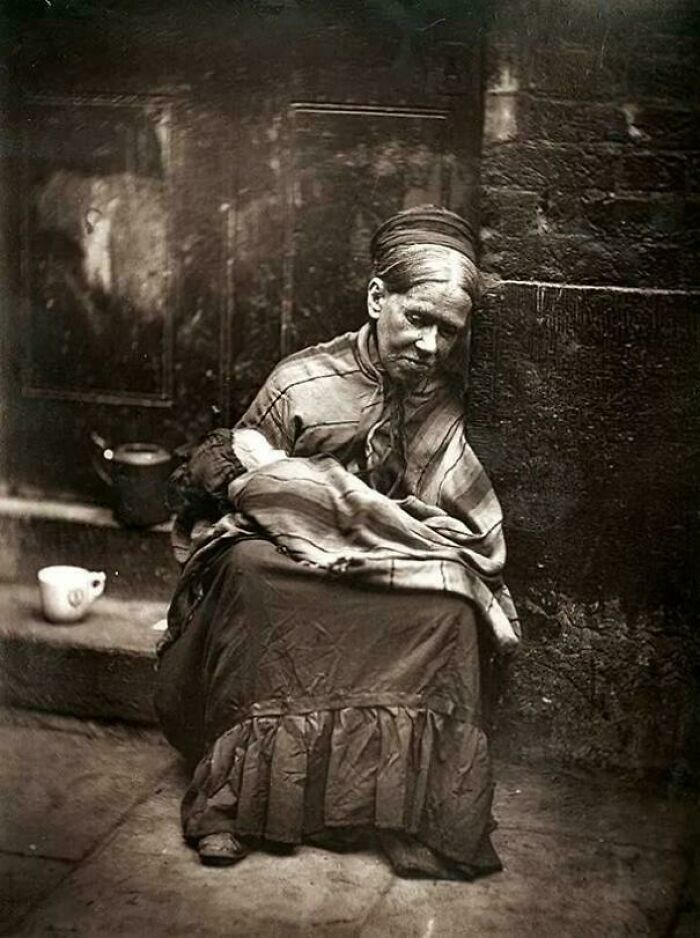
320,513
312,705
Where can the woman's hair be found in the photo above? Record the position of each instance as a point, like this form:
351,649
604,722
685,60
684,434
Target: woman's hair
426,244
408,265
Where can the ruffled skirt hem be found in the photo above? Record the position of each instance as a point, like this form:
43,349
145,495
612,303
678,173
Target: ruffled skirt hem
412,772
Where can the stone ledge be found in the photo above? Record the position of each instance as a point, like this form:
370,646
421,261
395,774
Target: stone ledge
100,668
37,532
47,509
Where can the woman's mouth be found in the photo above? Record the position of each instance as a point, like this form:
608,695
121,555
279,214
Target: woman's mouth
418,363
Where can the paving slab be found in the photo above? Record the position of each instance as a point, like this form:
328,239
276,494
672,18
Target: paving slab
563,877
145,880
63,792
23,882
19,717
587,805
551,886
110,624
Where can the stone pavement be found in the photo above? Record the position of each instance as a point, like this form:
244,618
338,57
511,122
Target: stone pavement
90,846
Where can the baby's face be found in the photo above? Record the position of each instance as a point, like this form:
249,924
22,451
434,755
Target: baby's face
253,450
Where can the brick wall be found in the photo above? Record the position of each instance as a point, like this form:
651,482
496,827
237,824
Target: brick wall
590,171
584,384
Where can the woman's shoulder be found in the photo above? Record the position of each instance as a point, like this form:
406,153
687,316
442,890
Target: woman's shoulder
306,370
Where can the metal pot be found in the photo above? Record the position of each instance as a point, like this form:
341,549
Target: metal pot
137,474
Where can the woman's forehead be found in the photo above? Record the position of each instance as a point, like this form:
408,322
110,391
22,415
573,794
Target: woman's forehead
444,302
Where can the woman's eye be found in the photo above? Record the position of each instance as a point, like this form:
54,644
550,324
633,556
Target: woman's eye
448,333
414,318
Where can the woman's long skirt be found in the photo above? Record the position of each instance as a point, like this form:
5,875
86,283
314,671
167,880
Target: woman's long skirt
315,705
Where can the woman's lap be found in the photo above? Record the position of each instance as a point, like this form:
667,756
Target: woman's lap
326,705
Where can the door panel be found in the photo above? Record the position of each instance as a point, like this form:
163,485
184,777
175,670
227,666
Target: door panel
122,280
185,221
96,250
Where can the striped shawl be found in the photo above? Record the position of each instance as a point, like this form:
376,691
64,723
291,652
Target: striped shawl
441,529
320,513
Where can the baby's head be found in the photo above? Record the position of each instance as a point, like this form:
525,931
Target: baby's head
252,449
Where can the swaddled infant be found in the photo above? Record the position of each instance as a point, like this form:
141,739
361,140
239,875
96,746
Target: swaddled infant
320,513
198,489
252,449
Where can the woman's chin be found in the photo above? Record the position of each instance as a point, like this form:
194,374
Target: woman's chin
407,371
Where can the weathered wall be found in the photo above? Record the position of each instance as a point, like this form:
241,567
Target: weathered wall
584,398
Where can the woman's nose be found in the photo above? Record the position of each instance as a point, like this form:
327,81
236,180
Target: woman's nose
427,340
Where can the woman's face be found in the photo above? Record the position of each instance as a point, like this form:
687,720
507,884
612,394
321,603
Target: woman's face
417,330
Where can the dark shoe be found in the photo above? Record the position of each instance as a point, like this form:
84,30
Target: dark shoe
411,859
220,850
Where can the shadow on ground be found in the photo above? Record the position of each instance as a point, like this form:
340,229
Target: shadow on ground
90,845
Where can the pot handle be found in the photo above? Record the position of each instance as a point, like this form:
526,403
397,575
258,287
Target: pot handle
105,456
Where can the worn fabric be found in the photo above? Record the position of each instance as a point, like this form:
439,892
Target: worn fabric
321,706
320,513
310,699
424,225
198,488
334,399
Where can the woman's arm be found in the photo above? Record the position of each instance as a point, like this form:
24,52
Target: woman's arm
198,488
271,414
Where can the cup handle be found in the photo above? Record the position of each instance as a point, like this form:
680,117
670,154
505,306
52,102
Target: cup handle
97,584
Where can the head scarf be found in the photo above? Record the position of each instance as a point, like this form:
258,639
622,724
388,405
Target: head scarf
424,224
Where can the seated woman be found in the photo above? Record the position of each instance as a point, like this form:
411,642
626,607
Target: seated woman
321,666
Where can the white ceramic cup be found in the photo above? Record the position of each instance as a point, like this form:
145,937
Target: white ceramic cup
68,592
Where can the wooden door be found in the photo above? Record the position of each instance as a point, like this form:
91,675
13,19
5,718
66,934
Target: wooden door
175,239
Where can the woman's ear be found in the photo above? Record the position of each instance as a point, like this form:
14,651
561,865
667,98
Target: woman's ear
376,293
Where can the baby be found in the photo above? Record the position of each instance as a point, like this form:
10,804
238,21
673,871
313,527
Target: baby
252,449
322,514
198,489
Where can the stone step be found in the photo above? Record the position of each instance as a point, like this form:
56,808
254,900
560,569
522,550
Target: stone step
37,532
100,668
